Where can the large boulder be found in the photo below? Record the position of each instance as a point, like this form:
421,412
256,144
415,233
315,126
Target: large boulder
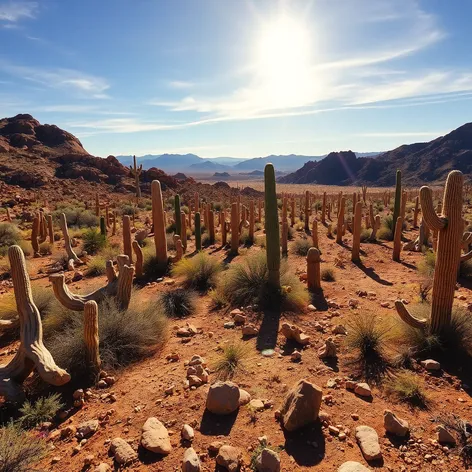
223,398
368,441
301,406
155,438
229,457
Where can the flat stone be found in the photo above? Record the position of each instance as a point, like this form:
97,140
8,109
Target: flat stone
155,438
431,365
368,441
444,436
363,390
87,428
351,466
395,425
187,433
122,451
256,404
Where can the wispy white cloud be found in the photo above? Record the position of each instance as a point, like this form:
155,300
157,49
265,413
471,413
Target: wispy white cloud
15,10
76,81
180,84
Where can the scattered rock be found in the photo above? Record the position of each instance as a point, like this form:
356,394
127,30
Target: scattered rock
229,457
431,365
191,461
154,437
444,436
102,467
363,390
257,405
268,461
291,331
301,406
223,398
351,466
328,350
86,429
339,329
249,330
244,397
395,425
296,356
368,441
187,433
122,451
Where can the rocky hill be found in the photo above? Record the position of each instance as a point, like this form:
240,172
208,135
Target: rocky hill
33,155
420,163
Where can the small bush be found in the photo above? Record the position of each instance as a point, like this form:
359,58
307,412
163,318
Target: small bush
365,235
96,266
45,248
231,360
26,247
178,303
385,234
427,264
43,409
327,274
462,430
245,239
94,241
19,450
261,241
199,272
151,268
9,235
125,336
246,283
368,338
301,246
217,297
409,388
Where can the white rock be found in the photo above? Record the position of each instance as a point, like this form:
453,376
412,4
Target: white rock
368,441
155,438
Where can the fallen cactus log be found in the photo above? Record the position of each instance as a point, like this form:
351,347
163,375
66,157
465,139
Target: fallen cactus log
118,286
31,354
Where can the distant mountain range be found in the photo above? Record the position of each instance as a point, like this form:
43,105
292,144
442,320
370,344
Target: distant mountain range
419,163
191,164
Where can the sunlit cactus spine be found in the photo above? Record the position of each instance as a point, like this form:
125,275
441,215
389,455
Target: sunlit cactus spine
398,199
272,226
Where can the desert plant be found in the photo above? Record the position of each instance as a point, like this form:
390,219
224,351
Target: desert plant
43,409
94,241
125,336
246,283
368,338
409,388
217,297
19,450
427,264
9,235
96,266
398,198
231,360
271,227
301,246
462,430
327,274
199,272
257,451
178,303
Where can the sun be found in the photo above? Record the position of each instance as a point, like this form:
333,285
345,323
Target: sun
283,60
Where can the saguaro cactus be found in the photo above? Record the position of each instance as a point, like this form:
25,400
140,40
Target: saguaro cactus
397,239
31,352
136,172
450,229
139,259
340,224
314,233
285,237
103,226
127,238
416,211
34,236
272,226
198,232
292,211
160,240
50,229
251,220
183,230
234,228
356,234
211,226
177,217
307,210
91,339
323,209
313,270
398,198
71,255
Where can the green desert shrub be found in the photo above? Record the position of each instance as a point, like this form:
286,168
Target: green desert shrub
409,388
427,264
125,336
301,246
231,360
19,450
178,303
327,274
199,272
246,283
152,269
9,235
94,241
43,409
96,266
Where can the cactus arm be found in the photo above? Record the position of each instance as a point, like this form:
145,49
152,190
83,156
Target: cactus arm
139,258
434,221
466,257
71,255
407,317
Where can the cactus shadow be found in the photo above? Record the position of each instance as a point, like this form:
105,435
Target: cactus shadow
307,445
408,265
217,425
319,301
268,331
370,272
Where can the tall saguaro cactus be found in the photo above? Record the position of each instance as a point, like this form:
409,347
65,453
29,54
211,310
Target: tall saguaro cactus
313,269
450,229
356,235
160,239
178,220
272,226
398,198
91,339
234,228
136,172
198,232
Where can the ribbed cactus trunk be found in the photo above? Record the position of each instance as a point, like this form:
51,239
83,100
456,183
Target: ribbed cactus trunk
323,209
139,259
356,233
183,230
103,226
272,226
397,239
416,211
285,237
284,209
136,172
450,229
160,240
91,338
340,224
234,228
313,270
198,232
307,210
97,205
211,226
8,214
292,212
314,233
127,248
251,220
177,217
35,236
50,229
398,199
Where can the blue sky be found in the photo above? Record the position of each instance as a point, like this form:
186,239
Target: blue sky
238,78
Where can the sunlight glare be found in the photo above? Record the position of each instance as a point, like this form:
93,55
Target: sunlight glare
283,56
